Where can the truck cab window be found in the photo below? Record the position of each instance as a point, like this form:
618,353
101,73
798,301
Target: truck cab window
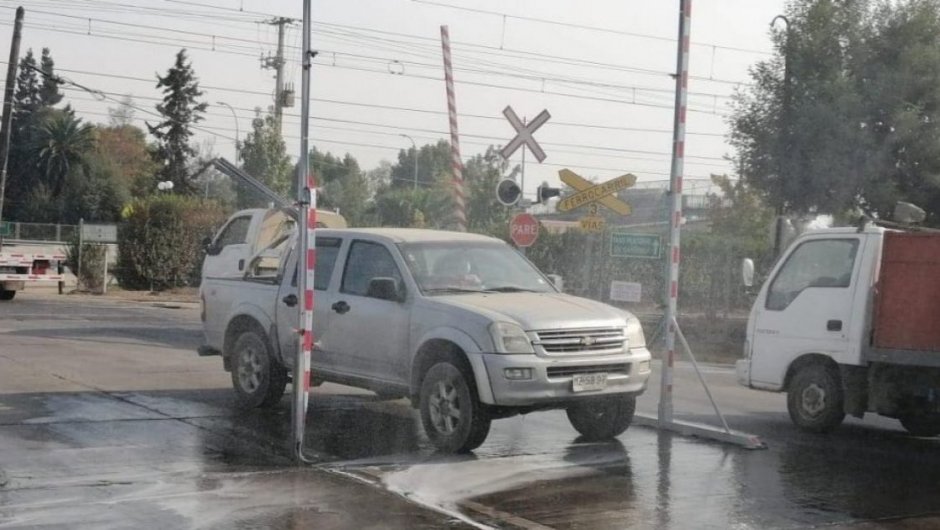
366,261
820,263
235,233
327,251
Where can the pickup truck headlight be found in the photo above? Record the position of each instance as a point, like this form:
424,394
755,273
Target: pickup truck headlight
510,338
634,332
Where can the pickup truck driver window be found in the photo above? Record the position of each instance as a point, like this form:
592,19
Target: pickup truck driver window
366,261
235,233
820,263
327,250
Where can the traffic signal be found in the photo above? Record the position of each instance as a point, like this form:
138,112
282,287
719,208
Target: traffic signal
508,192
545,192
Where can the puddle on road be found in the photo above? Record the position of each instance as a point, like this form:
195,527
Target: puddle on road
75,455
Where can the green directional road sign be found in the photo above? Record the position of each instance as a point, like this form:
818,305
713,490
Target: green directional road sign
6,228
624,245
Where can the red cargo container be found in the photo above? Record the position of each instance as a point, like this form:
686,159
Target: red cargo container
907,303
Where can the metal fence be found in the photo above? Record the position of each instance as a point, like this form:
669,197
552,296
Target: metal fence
46,232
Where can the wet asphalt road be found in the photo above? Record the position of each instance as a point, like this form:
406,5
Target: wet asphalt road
109,420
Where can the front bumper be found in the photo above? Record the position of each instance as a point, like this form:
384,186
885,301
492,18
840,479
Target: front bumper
628,375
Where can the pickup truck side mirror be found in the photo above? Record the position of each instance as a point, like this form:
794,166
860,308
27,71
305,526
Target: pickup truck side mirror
384,289
210,249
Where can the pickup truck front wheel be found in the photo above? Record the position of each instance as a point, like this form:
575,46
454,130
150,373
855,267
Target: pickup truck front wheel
453,418
602,419
258,379
6,295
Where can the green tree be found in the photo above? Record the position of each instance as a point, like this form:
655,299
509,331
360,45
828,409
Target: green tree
159,243
343,185
856,126
181,109
124,151
61,143
32,104
434,161
264,156
481,175
48,93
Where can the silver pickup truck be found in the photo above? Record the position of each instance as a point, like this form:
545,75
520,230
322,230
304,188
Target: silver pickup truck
461,324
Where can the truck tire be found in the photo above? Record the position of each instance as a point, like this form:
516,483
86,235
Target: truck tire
922,424
453,418
6,295
815,399
259,380
602,419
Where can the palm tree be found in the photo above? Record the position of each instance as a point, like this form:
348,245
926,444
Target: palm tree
62,141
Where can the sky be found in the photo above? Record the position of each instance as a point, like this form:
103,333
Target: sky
600,67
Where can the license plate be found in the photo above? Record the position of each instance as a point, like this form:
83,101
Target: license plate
588,382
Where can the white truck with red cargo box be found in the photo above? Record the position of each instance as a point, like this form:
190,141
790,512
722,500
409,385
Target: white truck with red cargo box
17,269
848,322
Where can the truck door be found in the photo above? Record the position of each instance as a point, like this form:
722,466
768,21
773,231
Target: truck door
369,334
806,308
327,251
226,255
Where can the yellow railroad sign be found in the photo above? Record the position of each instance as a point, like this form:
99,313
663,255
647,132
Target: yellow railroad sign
587,192
592,223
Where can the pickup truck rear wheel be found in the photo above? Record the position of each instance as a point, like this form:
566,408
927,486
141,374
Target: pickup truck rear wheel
6,295
603,418
922,424
815,399
453,417
259,380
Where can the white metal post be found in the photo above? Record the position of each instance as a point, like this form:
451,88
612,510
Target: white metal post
664,419
675,210
104,278
306,254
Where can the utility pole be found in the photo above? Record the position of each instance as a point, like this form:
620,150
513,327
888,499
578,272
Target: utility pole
282,98
784,163
7,125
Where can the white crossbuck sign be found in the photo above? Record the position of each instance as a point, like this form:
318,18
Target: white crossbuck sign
524,133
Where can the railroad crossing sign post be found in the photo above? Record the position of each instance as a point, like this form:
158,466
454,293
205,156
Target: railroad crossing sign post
524,134
588,193
524,138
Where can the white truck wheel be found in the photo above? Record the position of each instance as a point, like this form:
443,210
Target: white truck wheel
815,399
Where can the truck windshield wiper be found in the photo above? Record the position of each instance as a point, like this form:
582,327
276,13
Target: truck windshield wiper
452,290
511,289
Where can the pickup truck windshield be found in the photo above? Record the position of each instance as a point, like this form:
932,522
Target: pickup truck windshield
456,267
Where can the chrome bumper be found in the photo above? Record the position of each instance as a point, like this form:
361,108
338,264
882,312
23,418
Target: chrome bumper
543,388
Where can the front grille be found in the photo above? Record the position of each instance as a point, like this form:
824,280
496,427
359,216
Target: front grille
581,340
568,371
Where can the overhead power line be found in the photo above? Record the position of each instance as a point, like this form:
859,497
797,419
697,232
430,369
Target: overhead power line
385,107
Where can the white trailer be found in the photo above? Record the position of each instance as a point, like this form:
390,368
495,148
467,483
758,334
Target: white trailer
17,269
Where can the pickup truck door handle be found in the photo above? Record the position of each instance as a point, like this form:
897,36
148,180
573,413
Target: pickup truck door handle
290,300
340,307
834,325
